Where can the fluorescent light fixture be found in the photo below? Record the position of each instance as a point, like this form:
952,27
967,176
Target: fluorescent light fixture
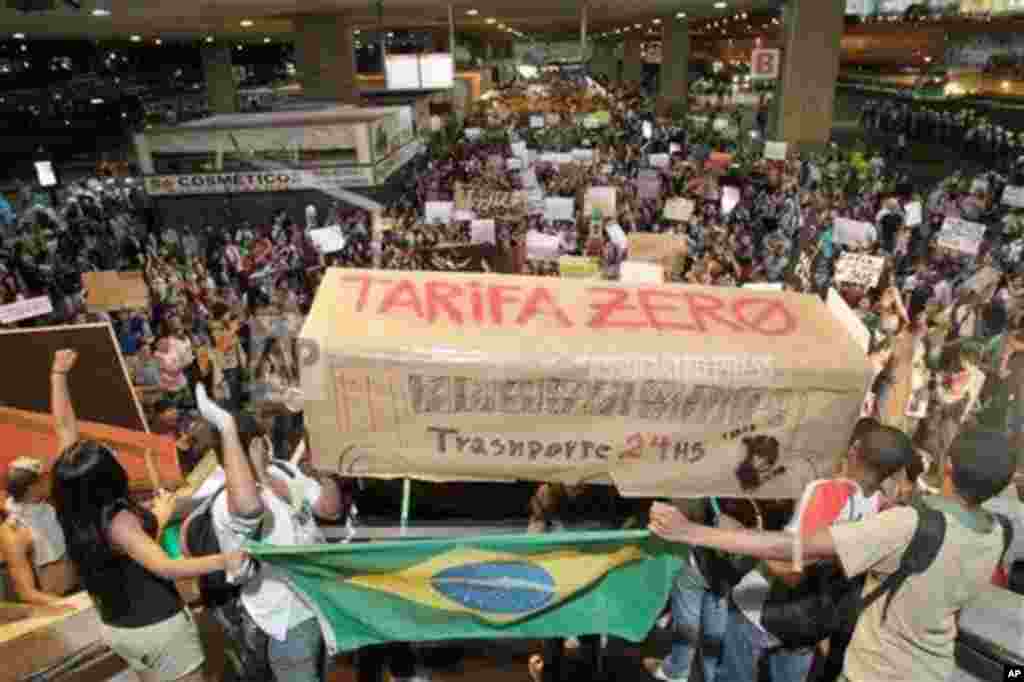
472,12
19,36
638,25
158,42
101,12
501,26
656,21
680,15
491,20
44,171
136,39
246,23
721,5
209,39
266,40
96,100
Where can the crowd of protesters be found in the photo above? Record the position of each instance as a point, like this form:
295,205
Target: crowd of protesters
945,327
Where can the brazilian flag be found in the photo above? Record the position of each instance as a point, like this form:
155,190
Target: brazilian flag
505,586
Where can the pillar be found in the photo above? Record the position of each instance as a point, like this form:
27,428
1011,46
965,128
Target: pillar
673,88
583,31
221,89
633,61
812,30
326,58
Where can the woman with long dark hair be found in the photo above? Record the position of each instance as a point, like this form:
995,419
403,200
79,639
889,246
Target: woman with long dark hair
112,541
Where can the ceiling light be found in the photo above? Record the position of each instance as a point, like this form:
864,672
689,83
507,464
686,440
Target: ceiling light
501,26
638,26
19,36
96,100
101,12
136,39
209,39
656,21
491,20
158,41
246,23
721,5
356,32
681,15
266,40
472,12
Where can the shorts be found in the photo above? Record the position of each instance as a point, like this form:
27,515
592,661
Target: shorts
171,649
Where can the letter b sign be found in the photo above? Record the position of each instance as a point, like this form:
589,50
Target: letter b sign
765,64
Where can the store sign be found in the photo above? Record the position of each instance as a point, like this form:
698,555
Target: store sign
765,64
324,179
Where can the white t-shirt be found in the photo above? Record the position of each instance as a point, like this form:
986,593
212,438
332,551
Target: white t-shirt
823,503
268,599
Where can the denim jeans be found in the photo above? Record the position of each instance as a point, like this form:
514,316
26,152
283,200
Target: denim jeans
747,647
698,616
297,659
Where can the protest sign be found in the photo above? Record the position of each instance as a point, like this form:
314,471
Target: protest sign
487,203
776,151
514,164
852,232
535,202
583,155
638,272
730,197
463,216
576,267
961,235
482,232
438,212
110,290
473,133
327,239
601,198
853,325
1014,196
859,269
915,213
654,388
552,119
659,160
679,209
536,122
518,149
560,208
662,249
720,124
25,309
540,246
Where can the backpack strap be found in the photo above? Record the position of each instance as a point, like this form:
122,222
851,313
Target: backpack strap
920,554
1007,525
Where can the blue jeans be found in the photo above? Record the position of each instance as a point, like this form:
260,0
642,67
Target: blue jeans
297,658
747,645
698,616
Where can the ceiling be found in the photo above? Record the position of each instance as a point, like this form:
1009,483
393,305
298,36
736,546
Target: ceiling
191,19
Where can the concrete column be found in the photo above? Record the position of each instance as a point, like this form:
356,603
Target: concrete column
673,88
326,58
221,89
633,61
812,30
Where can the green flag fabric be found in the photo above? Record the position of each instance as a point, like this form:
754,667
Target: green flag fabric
504,586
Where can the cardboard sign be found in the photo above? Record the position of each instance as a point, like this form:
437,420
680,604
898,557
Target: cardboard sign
914,213
536,122
559,208
601,198
853,325
730,198
659,160
576,267
540,246
438,212
662,249
679,210
112,290
1014,196
851,232
461,215
328,239
25,310
488,203
482,232
649,387
765,64
961,235
519,149
859,269
636,272
776,151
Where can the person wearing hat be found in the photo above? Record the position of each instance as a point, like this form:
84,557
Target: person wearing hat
32,543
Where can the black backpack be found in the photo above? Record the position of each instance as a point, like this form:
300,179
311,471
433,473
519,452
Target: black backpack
827,604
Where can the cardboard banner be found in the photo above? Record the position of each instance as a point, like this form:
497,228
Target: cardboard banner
25,310
665,391
637,272
1014,196
111,290
859,269
576,267
851,232
679,210
961,235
